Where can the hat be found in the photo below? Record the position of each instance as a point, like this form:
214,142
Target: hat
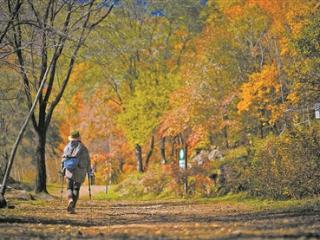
75,135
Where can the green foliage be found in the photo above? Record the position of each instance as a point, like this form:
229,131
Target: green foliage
235,174
182,74
308,41
144,109
131,187
287,166
151,185
277,167
305,69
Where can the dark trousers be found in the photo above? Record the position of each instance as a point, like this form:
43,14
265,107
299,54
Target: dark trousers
73,189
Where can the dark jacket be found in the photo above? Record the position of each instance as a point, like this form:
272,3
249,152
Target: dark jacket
78,150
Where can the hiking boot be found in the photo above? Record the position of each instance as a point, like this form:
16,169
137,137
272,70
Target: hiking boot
70,208
72,211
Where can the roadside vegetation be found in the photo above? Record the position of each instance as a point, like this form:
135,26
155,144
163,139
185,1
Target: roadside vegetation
233,83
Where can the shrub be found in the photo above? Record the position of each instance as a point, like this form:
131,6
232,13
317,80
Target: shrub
234,171
166,181
131,187
155,180
286,166
278,167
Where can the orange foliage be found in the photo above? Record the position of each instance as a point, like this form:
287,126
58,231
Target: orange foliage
176,120
262,93
94,117
234,11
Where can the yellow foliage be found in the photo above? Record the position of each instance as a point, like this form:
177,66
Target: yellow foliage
261,93
78,71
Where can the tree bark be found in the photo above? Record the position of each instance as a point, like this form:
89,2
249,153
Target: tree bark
149,153
139,158
41,181
261,129
225,134
3,202
163,150
173,142
14,14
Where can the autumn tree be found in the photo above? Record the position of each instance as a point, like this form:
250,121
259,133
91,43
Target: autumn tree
304,71
40,35
261,97
143,52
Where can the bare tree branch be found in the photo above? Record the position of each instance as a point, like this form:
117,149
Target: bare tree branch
13,16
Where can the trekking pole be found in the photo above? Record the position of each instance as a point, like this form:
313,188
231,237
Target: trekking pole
89,188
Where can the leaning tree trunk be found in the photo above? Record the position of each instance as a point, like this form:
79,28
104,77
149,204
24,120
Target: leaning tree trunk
163,150
41,181
139,158
46,22
3,202
149,153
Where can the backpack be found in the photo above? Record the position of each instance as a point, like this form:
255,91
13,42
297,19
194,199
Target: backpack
71,163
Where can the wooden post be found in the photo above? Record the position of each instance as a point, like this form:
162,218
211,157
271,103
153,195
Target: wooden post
185,184
183,165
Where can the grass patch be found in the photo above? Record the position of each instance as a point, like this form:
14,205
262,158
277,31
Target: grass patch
113,195
55,188
259,204
240,199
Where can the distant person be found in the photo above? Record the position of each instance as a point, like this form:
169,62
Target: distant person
75,166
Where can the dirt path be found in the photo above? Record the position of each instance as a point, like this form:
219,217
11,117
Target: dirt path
154,220
84,191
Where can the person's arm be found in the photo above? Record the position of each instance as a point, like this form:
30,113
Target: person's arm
61,171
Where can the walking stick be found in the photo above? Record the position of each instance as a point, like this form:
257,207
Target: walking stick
89,186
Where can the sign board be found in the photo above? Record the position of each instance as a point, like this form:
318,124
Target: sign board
182,158
317,110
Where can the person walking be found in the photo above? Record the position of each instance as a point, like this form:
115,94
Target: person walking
75,166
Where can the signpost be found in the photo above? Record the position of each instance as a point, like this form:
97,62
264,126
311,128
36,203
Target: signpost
317,110
182,158
182,161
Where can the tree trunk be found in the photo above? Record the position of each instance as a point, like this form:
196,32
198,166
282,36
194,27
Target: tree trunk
172,154
185,180
225,134
149,153
139,158
19,40
3,202
261,129
163,150
41,181
121,164
3,167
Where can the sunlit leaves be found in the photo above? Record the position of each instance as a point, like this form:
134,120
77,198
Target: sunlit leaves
144,109
236,65
261,95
